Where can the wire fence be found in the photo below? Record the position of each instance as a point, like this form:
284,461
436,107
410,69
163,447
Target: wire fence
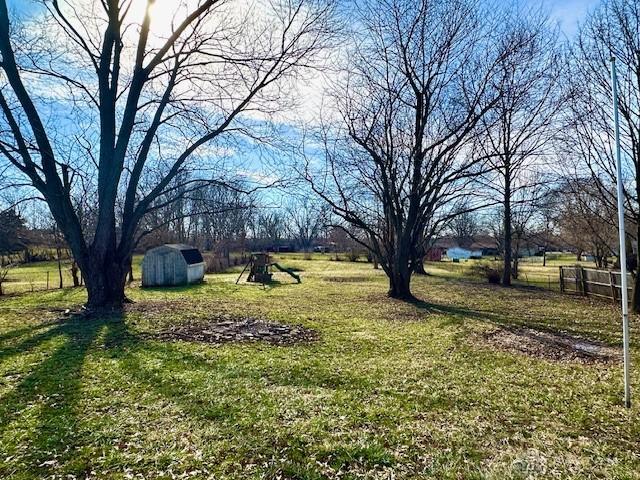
20,281
542,280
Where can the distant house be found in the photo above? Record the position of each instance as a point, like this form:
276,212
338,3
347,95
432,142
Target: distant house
476,247
435,254
460,253
538,244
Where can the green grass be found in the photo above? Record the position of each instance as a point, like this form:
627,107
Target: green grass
390,389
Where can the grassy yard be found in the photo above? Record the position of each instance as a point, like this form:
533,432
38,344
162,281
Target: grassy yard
388,390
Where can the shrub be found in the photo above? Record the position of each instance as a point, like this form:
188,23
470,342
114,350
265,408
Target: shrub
214,264
487,271
493,275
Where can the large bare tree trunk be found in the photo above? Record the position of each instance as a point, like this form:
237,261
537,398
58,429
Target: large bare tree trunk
105,281
399,273
419,266
400,284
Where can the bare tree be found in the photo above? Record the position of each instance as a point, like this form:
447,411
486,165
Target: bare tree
223,225
420,77
213,217
269,228
307,218
587,223
163,99
494,223
519,131
611,30
464,226
546,229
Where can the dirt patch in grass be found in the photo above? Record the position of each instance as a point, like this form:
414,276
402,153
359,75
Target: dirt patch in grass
231,329
352,279
554,346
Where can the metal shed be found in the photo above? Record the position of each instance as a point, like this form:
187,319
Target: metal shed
173,264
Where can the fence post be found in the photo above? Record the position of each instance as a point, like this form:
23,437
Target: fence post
584,281
561,281
612,280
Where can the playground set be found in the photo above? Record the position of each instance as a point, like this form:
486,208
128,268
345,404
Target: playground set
260,266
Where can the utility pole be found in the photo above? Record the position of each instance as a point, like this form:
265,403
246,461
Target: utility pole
623,251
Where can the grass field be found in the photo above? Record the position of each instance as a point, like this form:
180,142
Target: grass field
388,390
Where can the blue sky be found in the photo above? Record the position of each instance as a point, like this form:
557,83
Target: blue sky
568,13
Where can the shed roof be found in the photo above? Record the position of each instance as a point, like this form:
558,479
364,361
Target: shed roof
190,254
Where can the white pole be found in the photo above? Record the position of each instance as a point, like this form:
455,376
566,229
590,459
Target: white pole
623,252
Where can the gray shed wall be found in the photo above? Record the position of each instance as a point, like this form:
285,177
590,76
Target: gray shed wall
195,273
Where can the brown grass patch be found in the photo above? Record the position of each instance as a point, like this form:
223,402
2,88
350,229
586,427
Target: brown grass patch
553,346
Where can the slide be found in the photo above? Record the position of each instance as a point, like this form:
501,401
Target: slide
289,271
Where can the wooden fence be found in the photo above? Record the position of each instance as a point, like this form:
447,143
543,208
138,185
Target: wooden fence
589,281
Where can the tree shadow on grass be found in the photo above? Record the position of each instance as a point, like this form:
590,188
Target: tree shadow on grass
170,360
510,321
457,315
42,408
56,328
19,332
225,399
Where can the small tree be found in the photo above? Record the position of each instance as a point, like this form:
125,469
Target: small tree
586,222
4,274
464,227
519,131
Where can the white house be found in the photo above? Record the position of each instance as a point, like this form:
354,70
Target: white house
457,253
